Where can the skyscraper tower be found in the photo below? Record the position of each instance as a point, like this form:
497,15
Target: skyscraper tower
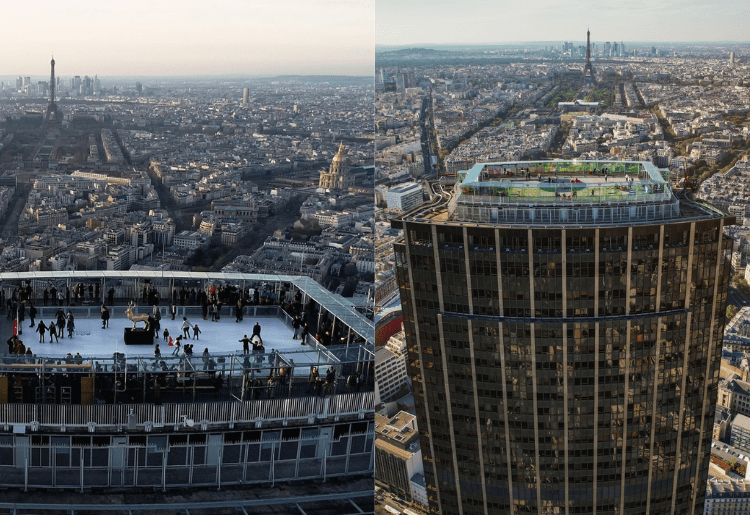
52,113
564,339
587,67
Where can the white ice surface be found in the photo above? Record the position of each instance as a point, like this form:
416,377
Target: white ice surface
221,337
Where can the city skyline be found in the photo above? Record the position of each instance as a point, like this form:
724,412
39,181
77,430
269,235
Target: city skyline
191,38
421,22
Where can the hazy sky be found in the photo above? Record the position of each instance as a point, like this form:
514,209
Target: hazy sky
404,22
188,37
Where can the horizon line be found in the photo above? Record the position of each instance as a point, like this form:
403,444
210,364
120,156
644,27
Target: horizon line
213,76
553,41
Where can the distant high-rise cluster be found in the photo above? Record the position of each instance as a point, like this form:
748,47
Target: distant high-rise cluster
613,49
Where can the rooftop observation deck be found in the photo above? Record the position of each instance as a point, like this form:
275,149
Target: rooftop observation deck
549,193
109,379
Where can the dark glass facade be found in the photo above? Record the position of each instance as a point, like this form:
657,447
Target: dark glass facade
565,370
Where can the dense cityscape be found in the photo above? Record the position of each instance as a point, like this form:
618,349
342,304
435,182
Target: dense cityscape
489,278
441,113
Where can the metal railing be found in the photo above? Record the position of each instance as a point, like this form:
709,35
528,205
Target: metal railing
164,461
208,414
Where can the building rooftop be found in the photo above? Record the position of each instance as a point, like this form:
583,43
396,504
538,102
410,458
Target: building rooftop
406,187
570,192
741,422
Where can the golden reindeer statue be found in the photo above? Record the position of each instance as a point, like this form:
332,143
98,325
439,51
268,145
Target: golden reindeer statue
136,318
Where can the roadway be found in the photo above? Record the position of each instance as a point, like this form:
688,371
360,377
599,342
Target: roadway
9,220
735,298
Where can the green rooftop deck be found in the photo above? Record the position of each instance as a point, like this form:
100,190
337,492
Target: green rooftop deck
563,182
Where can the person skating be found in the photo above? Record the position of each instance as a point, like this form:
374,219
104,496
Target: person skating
245,341
32,314
41,329
256,332
71,325
157,351
196,332
296,324
257,345
154,322
105,316
185,327
53,332
173,310
61,323
177,344
238,311
166,334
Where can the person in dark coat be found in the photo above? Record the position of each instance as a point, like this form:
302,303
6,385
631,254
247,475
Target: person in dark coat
41,329
245,345
45,297
238,311
154,323
12,342
71,325
32,314
313,380
256,332
61,323
53,332
105,316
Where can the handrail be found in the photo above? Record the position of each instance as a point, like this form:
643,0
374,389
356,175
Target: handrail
115,416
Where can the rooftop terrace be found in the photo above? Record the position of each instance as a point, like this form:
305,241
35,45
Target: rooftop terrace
563,182
95,366
543,193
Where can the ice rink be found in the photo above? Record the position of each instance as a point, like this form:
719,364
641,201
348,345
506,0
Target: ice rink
222,337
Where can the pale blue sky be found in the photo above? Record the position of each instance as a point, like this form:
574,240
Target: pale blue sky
195,37
405,22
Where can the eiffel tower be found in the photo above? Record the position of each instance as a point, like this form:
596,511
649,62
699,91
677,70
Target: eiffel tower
52,115
587,67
